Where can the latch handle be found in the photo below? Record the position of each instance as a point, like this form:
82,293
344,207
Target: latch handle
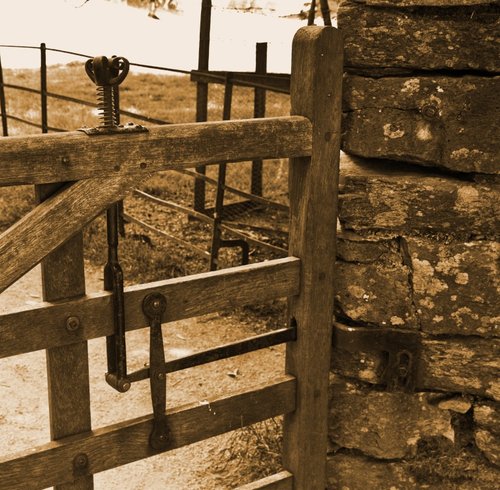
154,306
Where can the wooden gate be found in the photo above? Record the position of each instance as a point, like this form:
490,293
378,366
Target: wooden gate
78,176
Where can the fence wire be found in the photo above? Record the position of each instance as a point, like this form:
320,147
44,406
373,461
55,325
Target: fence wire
255,205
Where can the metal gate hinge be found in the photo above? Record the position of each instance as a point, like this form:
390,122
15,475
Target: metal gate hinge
400,347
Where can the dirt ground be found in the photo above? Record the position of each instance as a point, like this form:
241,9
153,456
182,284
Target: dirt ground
23,391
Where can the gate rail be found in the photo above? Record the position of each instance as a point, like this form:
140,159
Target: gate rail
77,177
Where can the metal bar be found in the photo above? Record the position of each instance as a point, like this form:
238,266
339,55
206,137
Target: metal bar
221,180
179,241
87,103
201,217
202,94
174,206
43,87
223,352
325,12
312,13
279,83
35,125
3,105
259,110
238,192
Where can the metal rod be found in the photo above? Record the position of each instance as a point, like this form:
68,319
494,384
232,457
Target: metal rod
202,94
251,197
43,87
259,110
225,351
312,13
3,105
179,241
221,181
325,12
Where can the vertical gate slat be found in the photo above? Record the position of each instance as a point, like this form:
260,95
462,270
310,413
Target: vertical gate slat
67,367
315,93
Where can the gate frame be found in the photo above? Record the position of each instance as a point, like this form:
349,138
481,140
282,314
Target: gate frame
311,137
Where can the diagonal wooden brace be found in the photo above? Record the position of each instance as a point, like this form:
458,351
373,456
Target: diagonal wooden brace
56,220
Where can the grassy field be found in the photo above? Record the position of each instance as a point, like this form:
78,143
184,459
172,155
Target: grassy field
144,256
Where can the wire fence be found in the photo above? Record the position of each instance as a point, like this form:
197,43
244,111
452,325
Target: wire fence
233,207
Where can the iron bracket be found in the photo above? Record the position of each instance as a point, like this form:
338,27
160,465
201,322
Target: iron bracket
401,349
120,129
153,307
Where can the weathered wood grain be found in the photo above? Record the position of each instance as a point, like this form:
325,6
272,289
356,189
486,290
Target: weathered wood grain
423,38
128,441
279,481
63,277
52,222
447,122
315,93
194,295
397,198
75,156
456,364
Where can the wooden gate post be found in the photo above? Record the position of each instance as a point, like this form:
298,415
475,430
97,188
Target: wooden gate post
316,85
67,366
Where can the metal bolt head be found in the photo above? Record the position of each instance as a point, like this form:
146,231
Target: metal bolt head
430,111
81,461
124,386
160,376
72,323
65,160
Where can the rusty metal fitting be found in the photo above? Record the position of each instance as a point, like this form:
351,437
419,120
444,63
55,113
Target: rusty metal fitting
73,324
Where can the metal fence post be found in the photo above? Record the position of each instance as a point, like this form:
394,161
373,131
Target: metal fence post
3,108
202,94
259,110
43,87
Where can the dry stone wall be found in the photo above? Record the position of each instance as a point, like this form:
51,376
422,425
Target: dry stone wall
418,247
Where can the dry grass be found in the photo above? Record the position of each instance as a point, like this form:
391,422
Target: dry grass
251,453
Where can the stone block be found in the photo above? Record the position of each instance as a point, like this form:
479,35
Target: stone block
456,286
423,38
372,282
456,364
487,416
378,196
381,424
357,472
461,470
447,122
487,433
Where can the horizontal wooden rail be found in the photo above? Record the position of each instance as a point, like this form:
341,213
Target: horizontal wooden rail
46,158
279,481
128,441
199,294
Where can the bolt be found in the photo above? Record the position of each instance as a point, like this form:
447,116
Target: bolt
430,111
124,386
402,371
72,323
65,160
156,304
160,376
81,461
